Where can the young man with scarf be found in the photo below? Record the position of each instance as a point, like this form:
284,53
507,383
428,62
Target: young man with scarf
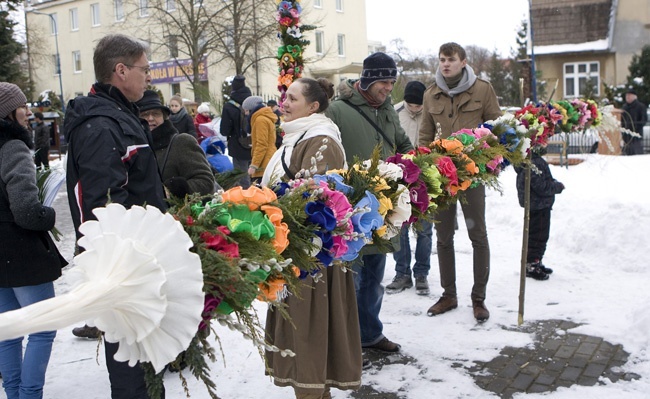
459,100
366,118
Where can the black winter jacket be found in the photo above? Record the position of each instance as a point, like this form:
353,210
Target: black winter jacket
110,155
231,124
42,136
28,256
543,186
183,122
634,117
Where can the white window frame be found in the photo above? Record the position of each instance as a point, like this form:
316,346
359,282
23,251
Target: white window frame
95,15
319,41
119,10
318,3
170,5
339,5
76,61
340,44
144,8
74,19
54,24
589,70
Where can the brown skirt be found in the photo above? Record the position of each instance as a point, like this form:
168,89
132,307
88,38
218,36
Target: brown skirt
325,339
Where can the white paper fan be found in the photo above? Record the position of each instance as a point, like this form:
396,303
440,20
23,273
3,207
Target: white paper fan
137,281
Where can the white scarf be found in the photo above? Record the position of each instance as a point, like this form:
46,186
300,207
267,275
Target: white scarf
468,79
313,125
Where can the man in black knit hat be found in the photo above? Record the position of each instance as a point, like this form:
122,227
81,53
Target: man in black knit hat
366,119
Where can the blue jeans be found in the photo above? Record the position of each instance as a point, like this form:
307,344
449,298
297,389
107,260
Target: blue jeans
243,164
23,377
422,252
368,274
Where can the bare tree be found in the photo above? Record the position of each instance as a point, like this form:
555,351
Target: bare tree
237,33
478,58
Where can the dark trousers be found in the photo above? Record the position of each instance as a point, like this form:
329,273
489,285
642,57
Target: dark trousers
474,213
538,232
126,382
41,157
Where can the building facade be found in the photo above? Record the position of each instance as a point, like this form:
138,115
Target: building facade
338,44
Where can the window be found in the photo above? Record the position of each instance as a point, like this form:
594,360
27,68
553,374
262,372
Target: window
341,45
94,14
173,46
339,5
578,75
76,60
176,88
74,19
319,42
54,23
144,8
318,3
119,10
57,64
171,5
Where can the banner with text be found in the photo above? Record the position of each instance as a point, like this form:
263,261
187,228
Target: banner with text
172,71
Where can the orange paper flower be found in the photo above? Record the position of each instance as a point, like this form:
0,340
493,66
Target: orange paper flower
254,197
281,240
451,146
271,289
470,166
464,185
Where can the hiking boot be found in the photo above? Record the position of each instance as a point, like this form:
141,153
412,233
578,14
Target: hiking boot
444,304
547,270
481,313
536,271
87,332
421,285
399,284
385,345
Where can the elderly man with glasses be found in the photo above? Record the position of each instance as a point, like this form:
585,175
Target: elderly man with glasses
110,156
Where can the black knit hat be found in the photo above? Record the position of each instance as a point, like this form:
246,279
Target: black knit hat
238,82
151,100
631,91
377,66
413,92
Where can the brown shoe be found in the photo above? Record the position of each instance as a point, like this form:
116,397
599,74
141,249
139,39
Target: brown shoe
385,345
481,313
444,304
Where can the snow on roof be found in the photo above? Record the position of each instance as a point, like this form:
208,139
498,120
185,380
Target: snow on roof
598,45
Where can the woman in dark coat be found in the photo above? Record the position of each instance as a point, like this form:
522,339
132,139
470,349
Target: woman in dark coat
181,120
181,162
29,259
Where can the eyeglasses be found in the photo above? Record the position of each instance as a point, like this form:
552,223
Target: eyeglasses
146,70
154,113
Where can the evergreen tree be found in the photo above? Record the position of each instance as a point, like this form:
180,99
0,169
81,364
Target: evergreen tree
500,79
10,51
639,77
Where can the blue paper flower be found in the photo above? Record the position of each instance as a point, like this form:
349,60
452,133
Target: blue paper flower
368,221
337,180
320,214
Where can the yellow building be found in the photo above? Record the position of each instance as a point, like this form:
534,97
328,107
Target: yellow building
337,49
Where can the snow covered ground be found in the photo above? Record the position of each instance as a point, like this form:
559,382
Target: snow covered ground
600,236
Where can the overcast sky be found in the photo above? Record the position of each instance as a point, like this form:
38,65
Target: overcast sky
426,24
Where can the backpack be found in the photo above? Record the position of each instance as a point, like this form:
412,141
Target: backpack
243,138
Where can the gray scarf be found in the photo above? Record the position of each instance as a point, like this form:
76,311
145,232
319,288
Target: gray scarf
466,81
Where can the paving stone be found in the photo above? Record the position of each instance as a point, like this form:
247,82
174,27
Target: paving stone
571,374
556,365
594,370
522,382
587,348
594,340
587,381
574,339
565,351
498,362
552,344
546,378
498,385
537,388
578,360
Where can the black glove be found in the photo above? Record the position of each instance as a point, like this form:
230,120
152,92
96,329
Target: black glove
178,187
560,187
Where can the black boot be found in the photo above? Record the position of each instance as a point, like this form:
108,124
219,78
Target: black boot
536,271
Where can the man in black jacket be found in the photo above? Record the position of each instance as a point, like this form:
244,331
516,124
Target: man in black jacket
110,155
232,127
633,119
41,142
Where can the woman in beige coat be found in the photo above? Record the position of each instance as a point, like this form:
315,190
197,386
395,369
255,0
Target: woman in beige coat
325,333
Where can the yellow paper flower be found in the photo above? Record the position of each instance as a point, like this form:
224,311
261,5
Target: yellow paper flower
385,205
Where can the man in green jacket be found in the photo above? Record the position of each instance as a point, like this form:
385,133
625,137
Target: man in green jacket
459,100
366,119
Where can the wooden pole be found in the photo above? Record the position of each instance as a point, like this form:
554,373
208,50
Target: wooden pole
524,244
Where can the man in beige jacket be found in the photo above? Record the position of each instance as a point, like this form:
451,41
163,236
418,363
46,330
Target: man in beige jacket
456,101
